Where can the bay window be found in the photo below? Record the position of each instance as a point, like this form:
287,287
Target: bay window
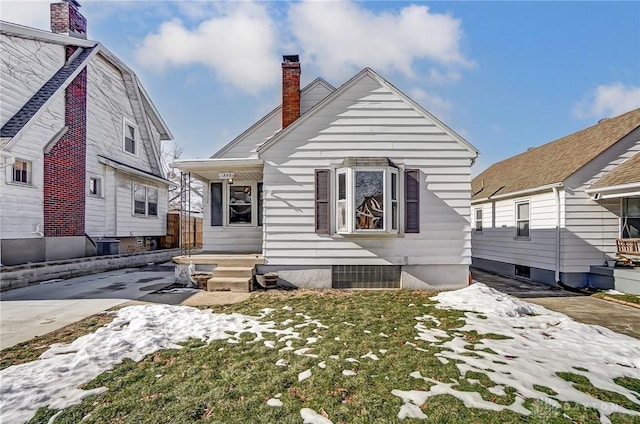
366,197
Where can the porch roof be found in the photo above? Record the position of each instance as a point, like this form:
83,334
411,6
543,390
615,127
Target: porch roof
209,169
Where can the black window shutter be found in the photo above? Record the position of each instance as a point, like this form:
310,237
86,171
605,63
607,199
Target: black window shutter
322,196
260,203
216,204
412,201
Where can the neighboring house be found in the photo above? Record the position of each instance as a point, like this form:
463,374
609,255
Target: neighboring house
80,142
351,187
554,213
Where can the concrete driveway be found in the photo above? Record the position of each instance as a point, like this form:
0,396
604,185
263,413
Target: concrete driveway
583,308
38,309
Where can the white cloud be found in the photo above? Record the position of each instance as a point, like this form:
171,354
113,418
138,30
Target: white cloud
342,37
239,44
436,105
33,13
608,101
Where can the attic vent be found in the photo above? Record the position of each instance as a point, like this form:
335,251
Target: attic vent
602,120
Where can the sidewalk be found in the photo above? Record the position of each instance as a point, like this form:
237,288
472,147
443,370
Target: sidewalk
583,308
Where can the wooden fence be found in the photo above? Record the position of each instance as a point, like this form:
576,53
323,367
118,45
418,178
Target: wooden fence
190,231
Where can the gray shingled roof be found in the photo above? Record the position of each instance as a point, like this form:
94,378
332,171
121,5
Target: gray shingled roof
24,115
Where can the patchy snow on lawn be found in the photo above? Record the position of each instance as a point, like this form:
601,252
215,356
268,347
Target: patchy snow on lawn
136,332
537,344
540,344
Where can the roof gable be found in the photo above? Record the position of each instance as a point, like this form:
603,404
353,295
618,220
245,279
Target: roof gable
553,162
356,80
59,80
310,95
143,107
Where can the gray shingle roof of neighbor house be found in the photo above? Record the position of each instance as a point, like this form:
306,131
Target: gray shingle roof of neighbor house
553,162
627,172
24,115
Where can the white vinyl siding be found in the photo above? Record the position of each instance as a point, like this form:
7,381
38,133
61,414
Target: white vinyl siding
591,230
497,242
367,120
25,65
21,205
109,110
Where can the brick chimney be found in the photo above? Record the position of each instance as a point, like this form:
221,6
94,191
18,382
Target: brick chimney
67,20
290,89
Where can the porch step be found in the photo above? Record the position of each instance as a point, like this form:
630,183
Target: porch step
230,260
237,284
233,271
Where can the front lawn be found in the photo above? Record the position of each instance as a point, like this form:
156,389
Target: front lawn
336,356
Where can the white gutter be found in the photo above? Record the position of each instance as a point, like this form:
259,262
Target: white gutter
621,190
203,164
556,195
519,193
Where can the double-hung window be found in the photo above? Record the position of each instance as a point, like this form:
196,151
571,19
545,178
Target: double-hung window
130,138
522,219
21,172
145,201
478,220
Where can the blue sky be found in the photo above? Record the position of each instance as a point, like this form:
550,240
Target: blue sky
505,75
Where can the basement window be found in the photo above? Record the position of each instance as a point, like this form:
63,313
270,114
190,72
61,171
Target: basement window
523,271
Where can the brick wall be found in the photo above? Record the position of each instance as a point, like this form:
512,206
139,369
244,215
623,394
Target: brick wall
290,92
65,166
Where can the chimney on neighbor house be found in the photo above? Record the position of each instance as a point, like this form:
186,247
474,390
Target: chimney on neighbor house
290,89
66,19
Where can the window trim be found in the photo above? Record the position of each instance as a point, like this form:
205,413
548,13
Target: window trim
29,173
99,191
475,219
518,220
226,204
126,123
350,209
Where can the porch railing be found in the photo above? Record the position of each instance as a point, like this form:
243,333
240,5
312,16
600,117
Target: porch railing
628,246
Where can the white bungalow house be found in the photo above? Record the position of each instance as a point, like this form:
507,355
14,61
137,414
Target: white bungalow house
559,212
80,143
357,186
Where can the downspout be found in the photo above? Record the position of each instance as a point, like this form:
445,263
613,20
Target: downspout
556,195
115,201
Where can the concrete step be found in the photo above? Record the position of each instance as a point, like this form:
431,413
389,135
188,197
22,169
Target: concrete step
233,271
229,260
242,284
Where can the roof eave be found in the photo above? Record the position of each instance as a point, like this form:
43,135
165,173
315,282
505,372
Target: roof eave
619,190
519,193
